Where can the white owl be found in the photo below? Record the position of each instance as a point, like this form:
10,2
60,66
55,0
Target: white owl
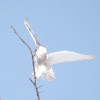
44,61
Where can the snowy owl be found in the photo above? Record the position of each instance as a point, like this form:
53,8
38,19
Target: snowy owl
44,61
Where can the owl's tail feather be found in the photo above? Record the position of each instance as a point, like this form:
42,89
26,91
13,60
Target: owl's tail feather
48,75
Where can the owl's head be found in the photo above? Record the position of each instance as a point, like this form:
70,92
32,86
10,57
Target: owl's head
42,49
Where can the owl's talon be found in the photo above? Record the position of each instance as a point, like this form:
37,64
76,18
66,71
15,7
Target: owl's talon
34,77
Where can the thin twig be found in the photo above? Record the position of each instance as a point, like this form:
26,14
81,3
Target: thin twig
34,83
31,81
22,39
40,86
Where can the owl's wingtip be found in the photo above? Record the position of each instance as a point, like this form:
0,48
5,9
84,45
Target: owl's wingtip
93,57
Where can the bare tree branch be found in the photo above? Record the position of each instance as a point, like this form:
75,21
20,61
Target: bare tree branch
35,82
21,39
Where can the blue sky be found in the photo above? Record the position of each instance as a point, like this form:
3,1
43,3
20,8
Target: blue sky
72,25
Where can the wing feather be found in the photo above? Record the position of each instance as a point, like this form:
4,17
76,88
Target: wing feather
66,56
31,32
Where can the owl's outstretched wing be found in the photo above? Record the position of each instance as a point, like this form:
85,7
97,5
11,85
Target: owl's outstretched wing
31,32
66,56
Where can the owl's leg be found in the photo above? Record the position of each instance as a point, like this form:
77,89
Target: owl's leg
37,73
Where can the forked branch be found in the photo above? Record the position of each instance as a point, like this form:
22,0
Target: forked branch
35,82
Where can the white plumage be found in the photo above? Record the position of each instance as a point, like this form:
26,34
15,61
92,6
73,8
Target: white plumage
66,56
44,61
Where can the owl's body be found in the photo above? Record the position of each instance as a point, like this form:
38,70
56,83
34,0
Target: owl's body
44,61
42,66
